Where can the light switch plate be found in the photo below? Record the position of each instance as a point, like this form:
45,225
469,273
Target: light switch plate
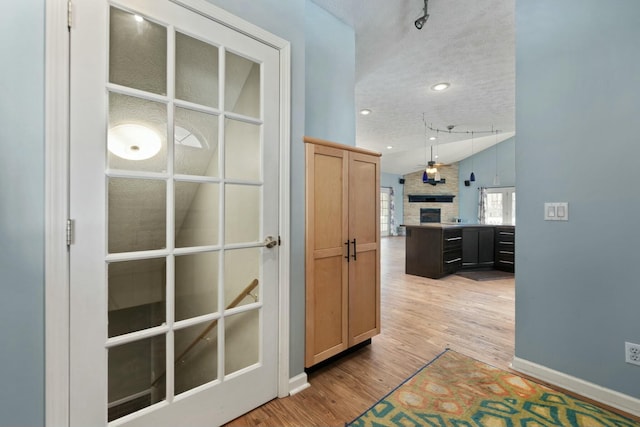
557,211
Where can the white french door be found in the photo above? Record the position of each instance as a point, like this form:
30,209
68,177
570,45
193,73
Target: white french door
174,136
500,206
385,211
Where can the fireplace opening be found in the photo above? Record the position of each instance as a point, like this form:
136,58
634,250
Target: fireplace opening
429,215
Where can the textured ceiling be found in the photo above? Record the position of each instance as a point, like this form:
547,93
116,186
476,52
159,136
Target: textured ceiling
468,43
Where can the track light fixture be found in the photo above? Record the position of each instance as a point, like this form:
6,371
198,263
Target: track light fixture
419,23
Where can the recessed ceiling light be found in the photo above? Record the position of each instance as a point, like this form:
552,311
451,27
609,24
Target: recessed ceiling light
365,112
440,86
389,147
133,142
138,18
432,138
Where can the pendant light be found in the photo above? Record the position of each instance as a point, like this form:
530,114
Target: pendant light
431,170
472,177
425,174
430,174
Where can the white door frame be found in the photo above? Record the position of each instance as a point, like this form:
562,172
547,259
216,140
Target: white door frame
57,197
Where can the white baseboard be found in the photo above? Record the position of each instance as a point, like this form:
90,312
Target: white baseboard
298,383
609,397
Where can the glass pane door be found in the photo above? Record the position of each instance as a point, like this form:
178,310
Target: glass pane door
500,206
385,211
181,293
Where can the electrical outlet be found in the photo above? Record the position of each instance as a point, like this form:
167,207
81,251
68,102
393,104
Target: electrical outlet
632,353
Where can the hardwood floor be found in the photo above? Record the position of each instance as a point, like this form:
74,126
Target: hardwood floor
420,318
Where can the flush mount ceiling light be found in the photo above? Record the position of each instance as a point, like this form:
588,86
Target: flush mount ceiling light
419,23
133,142
439,87
365,111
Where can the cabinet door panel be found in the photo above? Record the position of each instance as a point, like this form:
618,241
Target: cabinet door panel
328,308
364,227
485,246
329,208
326,267
363,298
469,247
364,198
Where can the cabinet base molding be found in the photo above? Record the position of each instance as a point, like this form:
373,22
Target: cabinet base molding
340,355
584,388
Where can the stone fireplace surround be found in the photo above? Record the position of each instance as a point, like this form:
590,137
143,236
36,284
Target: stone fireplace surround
413,185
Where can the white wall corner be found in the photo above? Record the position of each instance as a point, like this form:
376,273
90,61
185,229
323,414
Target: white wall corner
584,388
298,383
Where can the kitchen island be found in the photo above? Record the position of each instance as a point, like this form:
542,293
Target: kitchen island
435,250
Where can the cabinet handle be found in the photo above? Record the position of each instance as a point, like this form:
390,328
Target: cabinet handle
507,233
506,262
451,239
453,260
505,243
506,252
348,248
354,250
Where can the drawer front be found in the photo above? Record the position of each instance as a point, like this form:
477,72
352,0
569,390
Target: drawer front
451,239
502,245
505,234
451,261
505,265
505,255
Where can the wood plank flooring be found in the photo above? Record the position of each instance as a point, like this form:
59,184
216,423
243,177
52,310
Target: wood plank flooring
420,318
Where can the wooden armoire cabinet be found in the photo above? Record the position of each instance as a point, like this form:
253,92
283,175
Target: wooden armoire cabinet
342,248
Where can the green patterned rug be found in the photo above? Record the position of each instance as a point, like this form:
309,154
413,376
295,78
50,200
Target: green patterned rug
454,390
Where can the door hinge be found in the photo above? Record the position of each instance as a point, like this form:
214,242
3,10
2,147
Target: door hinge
279,241
69,14
70,230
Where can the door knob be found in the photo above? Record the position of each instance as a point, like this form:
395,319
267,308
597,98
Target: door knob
270,242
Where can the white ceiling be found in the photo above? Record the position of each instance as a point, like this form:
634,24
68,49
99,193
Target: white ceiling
468,43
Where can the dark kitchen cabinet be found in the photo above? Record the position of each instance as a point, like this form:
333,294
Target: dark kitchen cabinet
477,247
433,252
436,250
505,245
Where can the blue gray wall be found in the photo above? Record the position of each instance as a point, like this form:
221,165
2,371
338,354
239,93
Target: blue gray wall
22,213
330,74
577,106
484,168
392,180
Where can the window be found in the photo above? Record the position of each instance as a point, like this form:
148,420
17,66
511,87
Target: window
499,206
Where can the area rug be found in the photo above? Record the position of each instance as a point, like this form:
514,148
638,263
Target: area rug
454,390
482,275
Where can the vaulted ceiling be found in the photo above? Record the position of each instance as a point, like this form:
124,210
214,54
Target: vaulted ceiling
467,43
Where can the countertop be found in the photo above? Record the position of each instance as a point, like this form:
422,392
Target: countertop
453,225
